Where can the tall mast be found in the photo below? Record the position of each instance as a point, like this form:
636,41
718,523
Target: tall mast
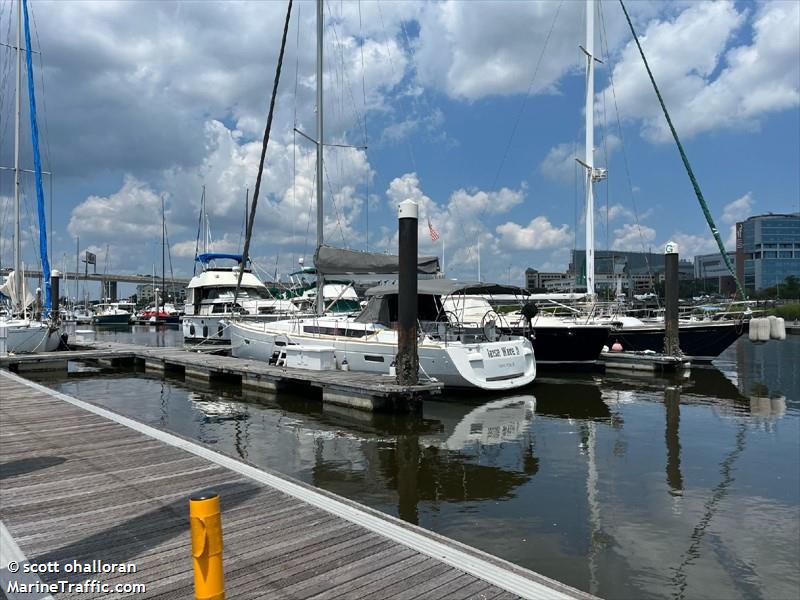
320,301
205,220
17,241
589,156
163,263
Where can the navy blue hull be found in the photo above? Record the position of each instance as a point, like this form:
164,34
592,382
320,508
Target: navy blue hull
700,341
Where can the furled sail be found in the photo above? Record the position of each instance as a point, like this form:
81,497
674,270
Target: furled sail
329,260
9,288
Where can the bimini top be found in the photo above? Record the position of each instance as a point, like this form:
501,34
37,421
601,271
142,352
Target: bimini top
209,256
447,287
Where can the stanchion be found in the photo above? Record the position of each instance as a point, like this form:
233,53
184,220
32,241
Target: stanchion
206,525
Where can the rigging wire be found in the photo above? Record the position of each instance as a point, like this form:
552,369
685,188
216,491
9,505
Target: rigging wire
527,95
366,138
703,206
4,123
394,75
347,86
606,52
43,95
519,116
577,203
199,227
333,201
263,153
308,219
294,128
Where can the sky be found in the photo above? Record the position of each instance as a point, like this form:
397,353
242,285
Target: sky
474,109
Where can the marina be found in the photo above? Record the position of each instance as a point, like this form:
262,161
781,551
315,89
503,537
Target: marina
339,387
543,478
134,481
390,355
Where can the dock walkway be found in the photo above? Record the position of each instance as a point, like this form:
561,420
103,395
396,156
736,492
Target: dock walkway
365,391
82,483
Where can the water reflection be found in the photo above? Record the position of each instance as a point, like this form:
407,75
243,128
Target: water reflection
146,335
579,397
672,403
625,485
711,506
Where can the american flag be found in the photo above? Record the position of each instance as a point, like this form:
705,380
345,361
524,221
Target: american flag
434,233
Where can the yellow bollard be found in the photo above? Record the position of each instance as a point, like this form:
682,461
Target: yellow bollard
206,524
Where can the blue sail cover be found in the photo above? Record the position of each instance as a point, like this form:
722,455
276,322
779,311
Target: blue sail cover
37,165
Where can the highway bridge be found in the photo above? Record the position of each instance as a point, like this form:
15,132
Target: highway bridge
110,277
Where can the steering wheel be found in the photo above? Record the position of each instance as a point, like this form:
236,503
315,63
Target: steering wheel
488,322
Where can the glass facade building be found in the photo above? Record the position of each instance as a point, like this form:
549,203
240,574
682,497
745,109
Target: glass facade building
768,250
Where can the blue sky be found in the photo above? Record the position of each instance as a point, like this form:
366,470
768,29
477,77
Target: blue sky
144,100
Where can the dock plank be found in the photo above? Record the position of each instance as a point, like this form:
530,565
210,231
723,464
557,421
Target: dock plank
108,489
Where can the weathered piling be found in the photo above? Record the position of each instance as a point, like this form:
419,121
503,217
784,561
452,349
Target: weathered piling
671,333
407,359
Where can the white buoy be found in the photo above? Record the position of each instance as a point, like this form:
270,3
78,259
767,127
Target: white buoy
763,330
753,329
777,328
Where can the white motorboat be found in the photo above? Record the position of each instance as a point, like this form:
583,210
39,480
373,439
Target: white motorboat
114,313
209,299
459,356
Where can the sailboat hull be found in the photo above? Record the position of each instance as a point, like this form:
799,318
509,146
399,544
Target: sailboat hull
30,336
567,345
703,342
121,319
489,366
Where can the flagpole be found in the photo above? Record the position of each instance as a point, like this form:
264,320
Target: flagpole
479,257
443,268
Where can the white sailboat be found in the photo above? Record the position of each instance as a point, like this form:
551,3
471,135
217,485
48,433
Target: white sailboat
459,356
21,333
455,356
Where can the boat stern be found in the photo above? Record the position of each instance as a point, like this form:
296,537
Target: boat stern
501,365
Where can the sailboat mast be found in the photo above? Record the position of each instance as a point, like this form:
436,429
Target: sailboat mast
163,243
17,232
589,156
320,301
205,220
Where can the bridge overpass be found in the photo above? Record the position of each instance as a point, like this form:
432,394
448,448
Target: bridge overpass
116,278
110,280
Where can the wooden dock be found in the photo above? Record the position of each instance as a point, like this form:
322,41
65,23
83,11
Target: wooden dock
644,361
81,483
365,391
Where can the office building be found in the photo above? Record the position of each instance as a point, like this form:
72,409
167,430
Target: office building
767,250
711,271
175,293
536,280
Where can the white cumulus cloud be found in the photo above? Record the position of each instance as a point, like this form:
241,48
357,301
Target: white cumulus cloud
537,235
633,238
707,85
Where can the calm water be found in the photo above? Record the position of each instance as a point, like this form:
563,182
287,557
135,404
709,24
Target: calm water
627,486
